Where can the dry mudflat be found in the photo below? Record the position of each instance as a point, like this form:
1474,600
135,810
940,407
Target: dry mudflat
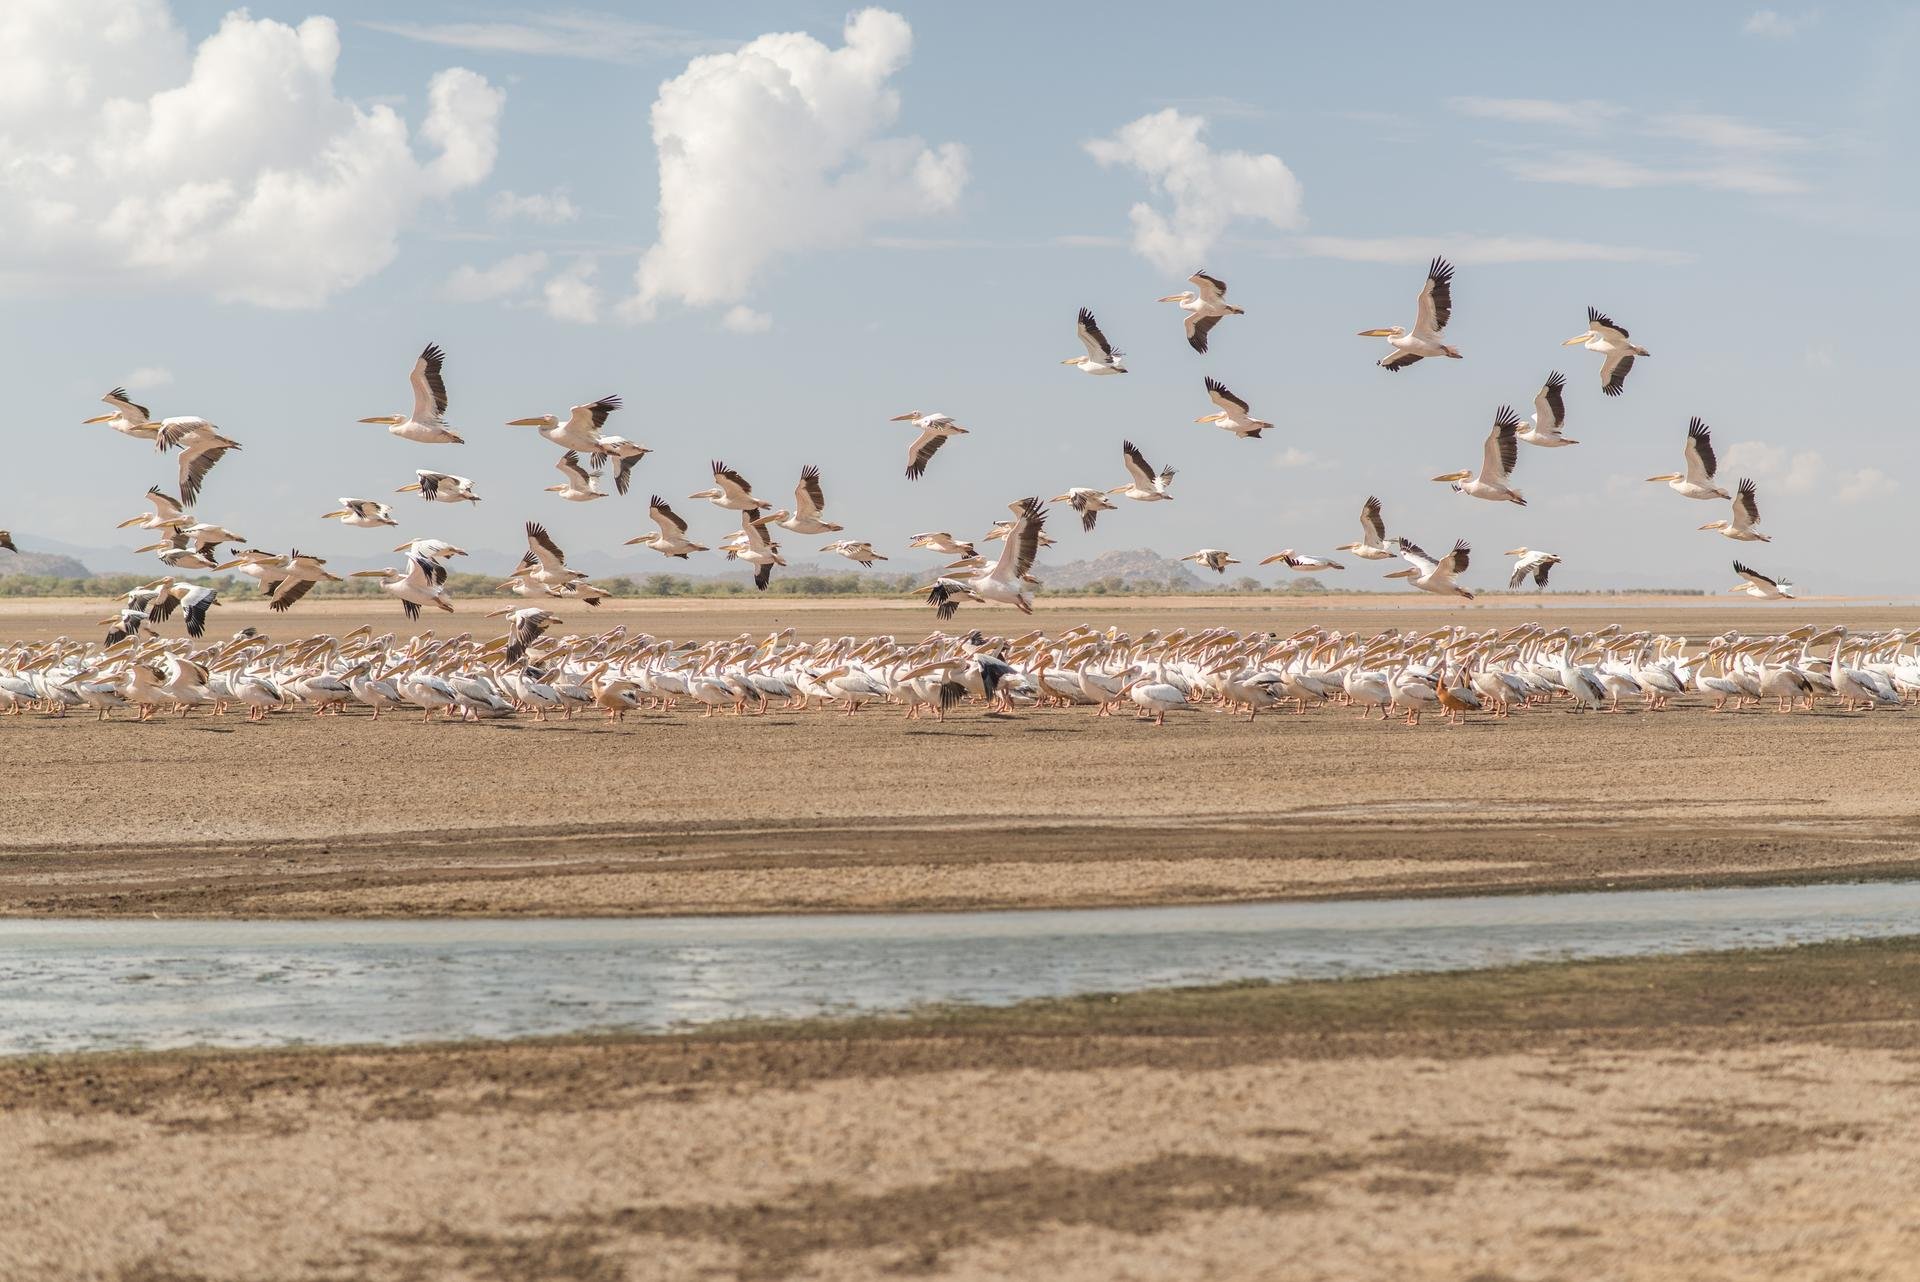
1743,1117
675,813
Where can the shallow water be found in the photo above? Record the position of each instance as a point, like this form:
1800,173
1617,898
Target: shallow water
112,984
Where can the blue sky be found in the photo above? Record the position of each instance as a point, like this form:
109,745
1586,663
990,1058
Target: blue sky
1732,183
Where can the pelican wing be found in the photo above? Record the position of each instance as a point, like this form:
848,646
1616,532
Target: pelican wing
808,498
1096,343
593,416
1701,464
182,430
134,412
1456,562
755,528
1211,288
1198,327
1137,465
1614,370
1436,299
1400,360
1602,324
195,463
666,518
1746,508
1023,541
1502,449
544,550
1545,568
730,481
1550,406
1373,526
1218,393
287,591
429,388
1418,557
1753,576
924,447
569,466
165,505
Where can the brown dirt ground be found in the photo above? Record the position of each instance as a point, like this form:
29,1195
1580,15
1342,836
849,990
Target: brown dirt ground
670,813
1741,1117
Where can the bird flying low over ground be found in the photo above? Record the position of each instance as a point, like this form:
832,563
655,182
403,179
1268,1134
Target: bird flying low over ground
1205,304
427,424
1004,583
1101,358
1498,455
1301,562
201,446
671,539
1746,515
1697,481
1145,487
1759,585
1435,310
1531,561
578,487
1233,415
1089,503
1435,574
855,550
441,487
809,503
730,490
1213,558
364,513
1616,349
1373,544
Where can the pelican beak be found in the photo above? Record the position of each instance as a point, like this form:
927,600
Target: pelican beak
1171,298
407,489
1578,339
1375,333
342,512
1072,360
384,418
1670,476
132,520
1710,525
98,418
1453,476
903,418
527,422
1514,552
368,574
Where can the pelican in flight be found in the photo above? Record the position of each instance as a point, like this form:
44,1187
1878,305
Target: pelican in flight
128,418
934,429
580,430
1549,414
183,552
363,513
427,423
1435,575
1004,582
1497,458
285,579
1436,309
731,491
1100,357
1746,515
1697,481
423,583
757,549
441,487
1203,308
1373,545
168,513
579,487
1213,558
201,446
1760,586
1145,487
671,540
1233,415
1301,562
1531,561
1617,353
1089,503
809,501
942,542
855,550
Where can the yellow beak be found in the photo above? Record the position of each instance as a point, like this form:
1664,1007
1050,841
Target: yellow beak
99,418
1578,339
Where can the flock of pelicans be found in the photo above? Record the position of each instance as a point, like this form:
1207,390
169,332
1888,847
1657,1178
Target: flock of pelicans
521,670
532,670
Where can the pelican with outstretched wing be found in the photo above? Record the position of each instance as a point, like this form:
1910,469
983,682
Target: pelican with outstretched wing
1436,309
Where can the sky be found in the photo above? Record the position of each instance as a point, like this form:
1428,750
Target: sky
769,228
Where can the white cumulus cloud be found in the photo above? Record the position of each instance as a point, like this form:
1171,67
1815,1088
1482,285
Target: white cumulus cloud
1773,468
552,208
744,320
571,294
780,147
509,276
1206,189
233,169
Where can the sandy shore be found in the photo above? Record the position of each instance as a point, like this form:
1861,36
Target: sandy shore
1753,1116
672,813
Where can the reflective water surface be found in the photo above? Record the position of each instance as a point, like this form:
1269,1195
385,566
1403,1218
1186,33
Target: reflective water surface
90,984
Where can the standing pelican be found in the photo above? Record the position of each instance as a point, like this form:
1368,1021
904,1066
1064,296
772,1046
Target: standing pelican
934,430
1533,562
441,487
579,487
364,513
1145,487
1549,414
1373,545
1760,586
1617,353
671,540
201,446
1089,503
1205,308
427,423
1697,481
1746,515
128,418
1100,357
1213,558
1436,309
731,491
1435,575
1234,415
1500,453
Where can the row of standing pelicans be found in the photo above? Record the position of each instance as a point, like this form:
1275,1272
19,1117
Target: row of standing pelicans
536,671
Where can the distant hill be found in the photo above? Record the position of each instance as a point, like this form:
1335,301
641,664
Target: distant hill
47,564
1121,570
